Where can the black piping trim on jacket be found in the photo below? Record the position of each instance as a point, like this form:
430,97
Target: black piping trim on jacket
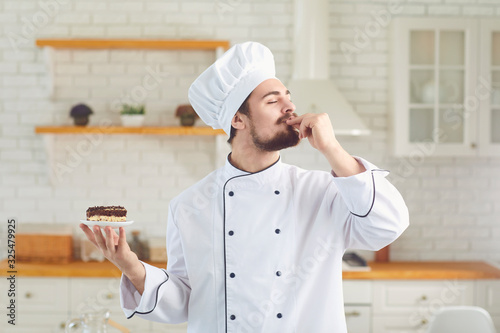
373,196
224,231
156,299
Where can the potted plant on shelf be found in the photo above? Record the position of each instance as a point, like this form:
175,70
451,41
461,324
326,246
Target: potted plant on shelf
132,115
80,114
186,114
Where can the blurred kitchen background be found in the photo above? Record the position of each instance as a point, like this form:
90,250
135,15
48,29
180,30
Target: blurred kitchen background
383,57
451,198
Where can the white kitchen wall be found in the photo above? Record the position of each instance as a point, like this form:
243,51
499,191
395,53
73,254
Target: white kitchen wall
452,201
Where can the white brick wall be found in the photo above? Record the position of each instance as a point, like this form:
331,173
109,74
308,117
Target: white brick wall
453,201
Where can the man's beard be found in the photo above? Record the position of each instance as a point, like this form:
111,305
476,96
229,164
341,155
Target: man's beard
281,140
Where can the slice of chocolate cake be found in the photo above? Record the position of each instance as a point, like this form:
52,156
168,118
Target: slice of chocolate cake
107,214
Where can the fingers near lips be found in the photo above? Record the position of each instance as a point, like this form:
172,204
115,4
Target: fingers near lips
294,121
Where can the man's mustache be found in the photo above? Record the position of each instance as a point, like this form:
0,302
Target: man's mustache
286,117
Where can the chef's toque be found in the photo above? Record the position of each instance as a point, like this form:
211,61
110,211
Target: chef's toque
220,90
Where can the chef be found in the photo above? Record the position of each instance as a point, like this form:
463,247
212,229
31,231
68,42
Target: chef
257,245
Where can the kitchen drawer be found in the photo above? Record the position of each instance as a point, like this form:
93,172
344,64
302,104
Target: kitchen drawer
42,295
357,292
488,295
421,298
398,324
37,323
95,294
358,318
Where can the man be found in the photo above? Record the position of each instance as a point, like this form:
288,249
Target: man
257,245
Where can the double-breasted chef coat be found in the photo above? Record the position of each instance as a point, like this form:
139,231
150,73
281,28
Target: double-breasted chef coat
262,252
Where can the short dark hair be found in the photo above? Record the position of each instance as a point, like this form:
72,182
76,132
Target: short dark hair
244,109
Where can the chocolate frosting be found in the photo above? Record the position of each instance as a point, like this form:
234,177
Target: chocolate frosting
107,211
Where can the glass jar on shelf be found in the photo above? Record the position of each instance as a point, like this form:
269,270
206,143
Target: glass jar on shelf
139,246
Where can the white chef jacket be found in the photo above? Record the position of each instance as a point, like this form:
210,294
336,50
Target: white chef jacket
262,252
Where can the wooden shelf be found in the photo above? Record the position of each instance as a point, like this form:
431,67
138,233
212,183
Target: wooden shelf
146,130
158,44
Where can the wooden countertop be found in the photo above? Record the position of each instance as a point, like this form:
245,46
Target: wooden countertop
72,269
429,270
471,270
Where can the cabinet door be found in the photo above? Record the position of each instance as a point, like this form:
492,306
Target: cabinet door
434,76
41,305
418,299
398,324
95,294
42,295
488,90
488,297
357,292
37,323
358,318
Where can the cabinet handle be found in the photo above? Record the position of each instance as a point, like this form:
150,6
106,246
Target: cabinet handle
352,314
109,296
422,323
423,298
28,295
473,145
62,325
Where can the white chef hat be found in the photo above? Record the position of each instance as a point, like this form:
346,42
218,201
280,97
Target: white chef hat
220,90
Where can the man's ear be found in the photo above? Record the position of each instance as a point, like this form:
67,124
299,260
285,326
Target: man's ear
237,122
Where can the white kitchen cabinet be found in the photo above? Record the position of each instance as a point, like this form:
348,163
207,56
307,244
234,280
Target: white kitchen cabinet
488,297
36,323
44,305
446,87
358,318
398,324
380,306
489,94
357,305
95,294
41,305
407,306
42,295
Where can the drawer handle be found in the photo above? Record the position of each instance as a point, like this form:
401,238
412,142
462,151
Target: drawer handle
352,314
422,323
28,295
109,296
423,298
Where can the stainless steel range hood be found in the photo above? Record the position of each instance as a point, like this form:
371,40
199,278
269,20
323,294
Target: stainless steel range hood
311,88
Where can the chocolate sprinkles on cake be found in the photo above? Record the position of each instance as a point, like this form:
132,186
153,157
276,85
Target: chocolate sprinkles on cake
107,214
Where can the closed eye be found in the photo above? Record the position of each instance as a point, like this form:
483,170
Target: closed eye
272,102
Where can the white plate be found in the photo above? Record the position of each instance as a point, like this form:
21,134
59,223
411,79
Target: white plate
115,225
